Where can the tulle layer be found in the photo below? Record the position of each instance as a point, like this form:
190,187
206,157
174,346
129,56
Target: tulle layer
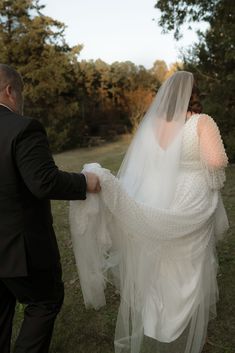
162,261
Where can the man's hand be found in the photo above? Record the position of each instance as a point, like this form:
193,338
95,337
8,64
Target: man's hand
93,183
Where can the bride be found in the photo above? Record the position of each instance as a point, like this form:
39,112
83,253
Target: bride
152,230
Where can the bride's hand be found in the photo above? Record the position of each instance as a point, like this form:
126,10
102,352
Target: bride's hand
93,183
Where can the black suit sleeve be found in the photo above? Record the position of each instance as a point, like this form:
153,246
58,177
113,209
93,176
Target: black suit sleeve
38,170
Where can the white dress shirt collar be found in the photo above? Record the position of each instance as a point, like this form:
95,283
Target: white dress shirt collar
6,107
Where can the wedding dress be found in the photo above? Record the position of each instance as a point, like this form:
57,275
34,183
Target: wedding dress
159,252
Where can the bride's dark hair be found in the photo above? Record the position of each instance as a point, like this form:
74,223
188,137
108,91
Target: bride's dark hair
195,105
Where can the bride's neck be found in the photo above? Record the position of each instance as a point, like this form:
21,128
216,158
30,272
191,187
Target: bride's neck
188,115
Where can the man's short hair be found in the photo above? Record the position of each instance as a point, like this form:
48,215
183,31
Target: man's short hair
9,76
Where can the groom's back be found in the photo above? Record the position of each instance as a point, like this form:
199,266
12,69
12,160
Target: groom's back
26,232
11,125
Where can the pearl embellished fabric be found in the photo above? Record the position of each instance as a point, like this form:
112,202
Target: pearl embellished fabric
213,155
162,261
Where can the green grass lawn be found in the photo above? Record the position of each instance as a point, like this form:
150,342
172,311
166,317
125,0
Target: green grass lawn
78,330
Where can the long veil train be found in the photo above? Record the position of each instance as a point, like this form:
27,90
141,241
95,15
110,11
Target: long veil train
151,231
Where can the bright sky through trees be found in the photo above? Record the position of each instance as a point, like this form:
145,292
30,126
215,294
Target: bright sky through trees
117,30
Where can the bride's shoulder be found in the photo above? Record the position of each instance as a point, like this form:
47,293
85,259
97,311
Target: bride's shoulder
202,117
205,121
201,122
193,119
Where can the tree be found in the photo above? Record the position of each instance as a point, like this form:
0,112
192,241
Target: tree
76,101
175,13
34,44
112,94
212,60
137,102
159,70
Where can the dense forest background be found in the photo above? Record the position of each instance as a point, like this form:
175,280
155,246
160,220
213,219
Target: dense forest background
82,103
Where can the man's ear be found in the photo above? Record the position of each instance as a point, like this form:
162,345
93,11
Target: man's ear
8,90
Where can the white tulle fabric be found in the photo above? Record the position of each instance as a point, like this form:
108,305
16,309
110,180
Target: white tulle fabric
163,261
151,164
213,155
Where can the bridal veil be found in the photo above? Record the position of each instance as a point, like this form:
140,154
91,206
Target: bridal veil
151,232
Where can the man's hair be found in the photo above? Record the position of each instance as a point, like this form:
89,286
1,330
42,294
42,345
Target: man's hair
9,76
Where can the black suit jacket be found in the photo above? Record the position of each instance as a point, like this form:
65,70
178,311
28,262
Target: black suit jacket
29,178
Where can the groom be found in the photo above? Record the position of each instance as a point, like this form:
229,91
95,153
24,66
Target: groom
30,269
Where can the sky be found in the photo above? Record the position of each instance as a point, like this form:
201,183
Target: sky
117,30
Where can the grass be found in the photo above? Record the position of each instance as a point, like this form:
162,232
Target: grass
78,330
